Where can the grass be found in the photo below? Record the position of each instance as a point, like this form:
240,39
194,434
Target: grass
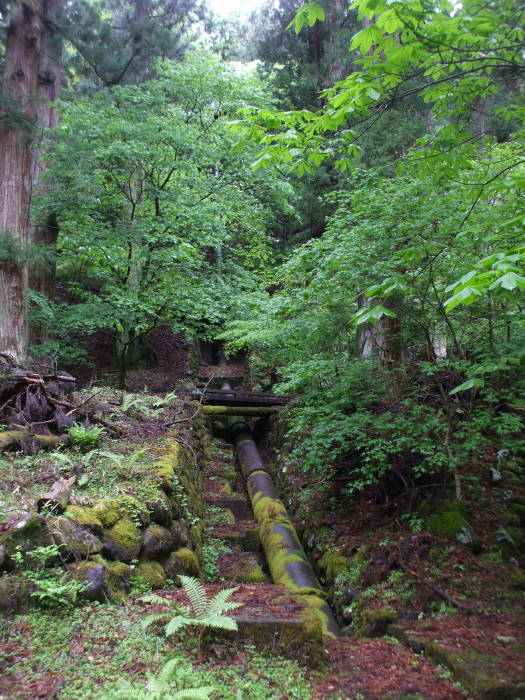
97,647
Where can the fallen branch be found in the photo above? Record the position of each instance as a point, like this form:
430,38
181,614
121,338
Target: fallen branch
83,402
438,591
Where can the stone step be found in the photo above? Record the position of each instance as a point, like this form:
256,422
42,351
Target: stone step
242,536
238,505
241,567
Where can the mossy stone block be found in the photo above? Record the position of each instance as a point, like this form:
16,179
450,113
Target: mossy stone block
157,541
152,573
103,580
184,562
517,535
30,531
374,622
511,519
131,507
15,594
122,541
76,541
517,580
85,516
452,525
107,511
519,509
160,508
298,637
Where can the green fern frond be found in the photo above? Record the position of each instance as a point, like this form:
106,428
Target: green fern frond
218,622
216,605
158,617
153,598
196,594
167,672
195,693
176,624
230,605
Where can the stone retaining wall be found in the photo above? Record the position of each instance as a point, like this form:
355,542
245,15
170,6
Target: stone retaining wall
106,544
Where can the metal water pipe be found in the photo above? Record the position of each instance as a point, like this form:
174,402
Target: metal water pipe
287,560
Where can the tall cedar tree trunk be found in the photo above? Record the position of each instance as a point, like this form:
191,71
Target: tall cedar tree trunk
22,58
45,231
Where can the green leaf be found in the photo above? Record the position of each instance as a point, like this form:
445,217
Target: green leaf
373,314
469,384
509,281
465,296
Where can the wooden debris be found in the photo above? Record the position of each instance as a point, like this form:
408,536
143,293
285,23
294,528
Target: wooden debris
57,498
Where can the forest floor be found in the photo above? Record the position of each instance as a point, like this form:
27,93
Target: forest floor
101,650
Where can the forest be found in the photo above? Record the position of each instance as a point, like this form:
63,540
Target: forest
262,349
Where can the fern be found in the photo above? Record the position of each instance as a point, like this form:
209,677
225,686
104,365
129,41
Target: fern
206,613
196,594
158,688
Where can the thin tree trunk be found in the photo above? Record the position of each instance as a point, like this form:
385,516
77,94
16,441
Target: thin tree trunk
22,59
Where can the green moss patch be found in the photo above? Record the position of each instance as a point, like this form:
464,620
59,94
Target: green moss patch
122,541
152,573
183,561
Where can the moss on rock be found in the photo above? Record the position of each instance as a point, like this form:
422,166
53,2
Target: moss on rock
332,564
452,525
15,594
160,508
152,573
517,580
519,509
76,541
122,541
157,540
134,509
28,532
107,511
184,562
374,622
84,516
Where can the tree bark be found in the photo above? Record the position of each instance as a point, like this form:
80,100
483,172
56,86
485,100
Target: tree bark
382,338
45,231
22,59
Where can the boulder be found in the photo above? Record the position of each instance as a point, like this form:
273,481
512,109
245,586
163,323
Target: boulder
122,541
152,573
157,541
86,517
160,509
184,562
107,511
76,542
451,523
103,580
26,534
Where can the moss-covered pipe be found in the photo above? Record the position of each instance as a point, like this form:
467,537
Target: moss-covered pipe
255,411
286,557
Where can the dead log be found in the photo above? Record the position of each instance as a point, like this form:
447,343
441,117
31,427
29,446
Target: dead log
14,439
57,498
